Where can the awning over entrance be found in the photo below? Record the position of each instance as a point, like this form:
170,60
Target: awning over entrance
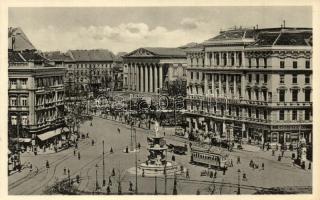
49,134
26,140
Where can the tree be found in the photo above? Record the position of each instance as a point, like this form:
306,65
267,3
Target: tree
177,87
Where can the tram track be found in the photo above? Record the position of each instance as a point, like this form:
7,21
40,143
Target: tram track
39,171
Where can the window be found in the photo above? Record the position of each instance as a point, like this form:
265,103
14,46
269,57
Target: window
249,62
249,78
281,64
257,113
282,95
257,61
307,95
257,78
265,114
294,95
23,82
14,120
191,75
281,115
24,101
264,95
306,115
198,75
265,78
295,64
281,78
13,101
265,62
249,94
257,95
294,114
307,79
24,120
307,64
249,112
294,78
13,82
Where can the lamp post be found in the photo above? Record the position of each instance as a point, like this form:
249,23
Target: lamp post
136,160
238,192
103,172
97,184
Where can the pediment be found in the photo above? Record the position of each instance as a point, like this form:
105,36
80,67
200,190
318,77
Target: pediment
141,53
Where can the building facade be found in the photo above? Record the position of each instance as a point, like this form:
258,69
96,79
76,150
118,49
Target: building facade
253,84
35,94
149,70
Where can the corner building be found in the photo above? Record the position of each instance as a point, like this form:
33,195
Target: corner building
254,84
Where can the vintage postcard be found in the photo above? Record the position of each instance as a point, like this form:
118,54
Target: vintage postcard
156,99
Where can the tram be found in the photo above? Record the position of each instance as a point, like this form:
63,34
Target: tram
212,157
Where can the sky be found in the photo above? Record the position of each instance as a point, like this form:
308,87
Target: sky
124,29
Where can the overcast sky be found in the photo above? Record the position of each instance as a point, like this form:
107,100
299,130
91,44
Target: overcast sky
128,28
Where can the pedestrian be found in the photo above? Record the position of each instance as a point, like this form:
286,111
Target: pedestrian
111,150
251,163
76,145
68,172
47,164
64,171
92,142
273,152
91,123
244,177
215,174
279,157
127,149
262,166
79,155
130,186
30,166
74,152
110,182
198,192
224,171
231,163
282,153
113,172
187,174
87,135
119,130
139,145
164,133
309,165
238,160
108,190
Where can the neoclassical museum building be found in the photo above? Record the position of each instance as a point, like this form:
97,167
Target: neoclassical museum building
148,70
253,84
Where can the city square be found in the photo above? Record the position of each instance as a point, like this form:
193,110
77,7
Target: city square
230,112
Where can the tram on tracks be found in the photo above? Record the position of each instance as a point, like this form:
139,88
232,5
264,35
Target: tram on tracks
210,156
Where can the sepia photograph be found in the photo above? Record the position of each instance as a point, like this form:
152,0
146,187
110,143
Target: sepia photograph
144,100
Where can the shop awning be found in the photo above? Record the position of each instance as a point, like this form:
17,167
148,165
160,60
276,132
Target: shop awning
49,134
26,140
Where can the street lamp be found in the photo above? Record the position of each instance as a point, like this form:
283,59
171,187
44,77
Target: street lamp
97,184
104,180
136,160
238,192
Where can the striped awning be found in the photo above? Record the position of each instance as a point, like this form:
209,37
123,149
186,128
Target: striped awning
49,134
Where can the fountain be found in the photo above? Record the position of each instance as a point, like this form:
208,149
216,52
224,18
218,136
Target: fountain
157,164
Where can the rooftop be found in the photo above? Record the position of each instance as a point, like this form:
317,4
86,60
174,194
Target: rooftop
19,39
166,52
91,55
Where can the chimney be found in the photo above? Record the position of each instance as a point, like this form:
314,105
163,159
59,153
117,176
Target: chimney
257,26
284,23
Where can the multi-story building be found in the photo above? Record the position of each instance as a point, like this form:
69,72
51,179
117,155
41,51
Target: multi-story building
35,92
148,70
254,84
86,70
